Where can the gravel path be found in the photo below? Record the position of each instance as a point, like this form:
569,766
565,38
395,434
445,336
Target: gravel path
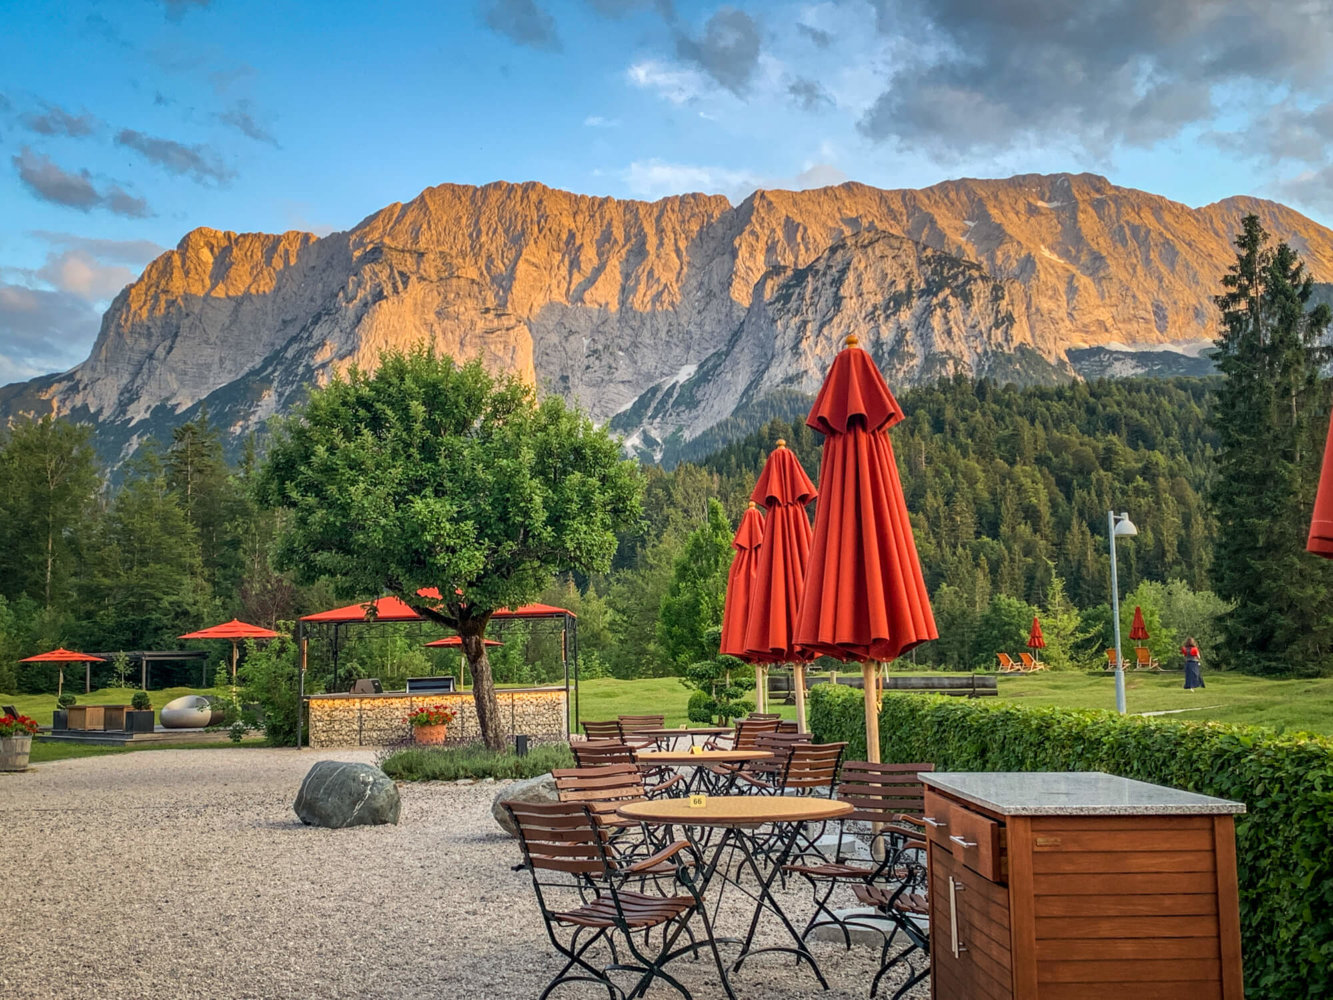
185,873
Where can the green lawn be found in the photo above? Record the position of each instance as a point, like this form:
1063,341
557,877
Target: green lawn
44,752
40,706
1290,704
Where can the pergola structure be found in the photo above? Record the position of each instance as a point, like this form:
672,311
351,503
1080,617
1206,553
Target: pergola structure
391,610
144,657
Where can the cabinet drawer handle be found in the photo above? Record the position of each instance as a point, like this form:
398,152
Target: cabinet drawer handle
965,844
933,823
955,945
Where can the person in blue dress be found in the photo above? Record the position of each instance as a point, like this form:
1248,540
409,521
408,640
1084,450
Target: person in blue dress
1193,675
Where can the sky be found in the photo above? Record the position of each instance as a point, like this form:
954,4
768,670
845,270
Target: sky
126,123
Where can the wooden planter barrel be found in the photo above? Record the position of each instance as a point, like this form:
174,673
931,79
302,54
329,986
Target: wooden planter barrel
14,751
1080,886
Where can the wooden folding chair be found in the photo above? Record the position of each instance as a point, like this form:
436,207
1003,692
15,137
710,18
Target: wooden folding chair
1145,659
1110,659
560,839
1008,666
1029,664
602,730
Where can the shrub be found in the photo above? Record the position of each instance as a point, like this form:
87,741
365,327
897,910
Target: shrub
474,761
269,679
1284,844
66,700
141,702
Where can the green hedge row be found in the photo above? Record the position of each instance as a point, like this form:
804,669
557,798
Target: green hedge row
1284,843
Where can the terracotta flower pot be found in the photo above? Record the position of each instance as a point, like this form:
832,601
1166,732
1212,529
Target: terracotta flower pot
14,752
429,735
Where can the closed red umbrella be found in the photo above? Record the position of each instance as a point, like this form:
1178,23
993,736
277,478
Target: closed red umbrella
740,580
1036,640
1138,631
865,597
62,656
1320,541
234,631
784,489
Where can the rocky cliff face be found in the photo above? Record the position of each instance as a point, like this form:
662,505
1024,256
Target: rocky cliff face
669,316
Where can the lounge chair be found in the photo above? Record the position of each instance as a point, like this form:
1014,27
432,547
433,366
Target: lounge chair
1145,659
1007,665
1029,664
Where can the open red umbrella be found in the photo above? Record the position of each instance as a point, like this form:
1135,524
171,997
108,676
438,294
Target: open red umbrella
740,580
1320,541
62,656
1138,631
775,598
454,641
1036,640
865,598
234,631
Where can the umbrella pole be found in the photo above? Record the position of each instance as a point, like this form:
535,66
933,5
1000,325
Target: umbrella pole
759,691
60,683
798,683
868,678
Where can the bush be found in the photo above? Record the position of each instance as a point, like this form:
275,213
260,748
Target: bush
474,761
66,700
1284,844
141,702
269,679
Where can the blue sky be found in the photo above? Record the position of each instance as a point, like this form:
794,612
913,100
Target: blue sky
125,123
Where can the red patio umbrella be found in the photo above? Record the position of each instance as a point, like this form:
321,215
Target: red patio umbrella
740,580
784,489
1320,541
1036,640
865,598
456,642
1138,631
234,631
62,656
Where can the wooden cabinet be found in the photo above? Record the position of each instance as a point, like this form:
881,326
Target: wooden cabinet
1080,906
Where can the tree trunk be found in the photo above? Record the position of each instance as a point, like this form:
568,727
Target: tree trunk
483,690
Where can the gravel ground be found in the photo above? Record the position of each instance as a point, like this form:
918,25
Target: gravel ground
185,873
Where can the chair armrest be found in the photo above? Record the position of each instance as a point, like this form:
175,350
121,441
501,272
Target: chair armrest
663,855
908,818
663,786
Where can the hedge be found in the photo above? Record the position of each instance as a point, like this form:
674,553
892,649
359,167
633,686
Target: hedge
1284,843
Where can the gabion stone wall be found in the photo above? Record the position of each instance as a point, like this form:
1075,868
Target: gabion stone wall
345,720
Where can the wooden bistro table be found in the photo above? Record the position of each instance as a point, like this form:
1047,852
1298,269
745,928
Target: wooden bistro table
665,737
701,761
734,815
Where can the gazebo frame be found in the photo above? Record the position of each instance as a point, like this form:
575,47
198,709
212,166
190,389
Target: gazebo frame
391,611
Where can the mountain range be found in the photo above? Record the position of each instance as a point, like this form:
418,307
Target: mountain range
667,319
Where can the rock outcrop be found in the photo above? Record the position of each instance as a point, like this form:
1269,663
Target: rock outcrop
665,316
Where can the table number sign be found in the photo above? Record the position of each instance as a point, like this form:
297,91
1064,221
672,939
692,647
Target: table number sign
698,801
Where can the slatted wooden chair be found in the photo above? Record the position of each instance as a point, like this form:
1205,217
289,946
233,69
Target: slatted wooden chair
889,797
764,715
602,730
788,726
631,724
1007,665
1110,659
1029,664
908,910
603,790
561,839
1145,659
765,777
744,735
595,753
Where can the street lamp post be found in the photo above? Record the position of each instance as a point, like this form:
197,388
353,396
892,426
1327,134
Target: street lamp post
1118,524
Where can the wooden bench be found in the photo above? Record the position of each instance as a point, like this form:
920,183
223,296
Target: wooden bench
961,685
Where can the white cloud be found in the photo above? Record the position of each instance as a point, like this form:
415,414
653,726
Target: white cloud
597,121
657,178
677,84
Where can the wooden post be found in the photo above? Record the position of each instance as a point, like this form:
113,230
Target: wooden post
868,674
798,682
759,687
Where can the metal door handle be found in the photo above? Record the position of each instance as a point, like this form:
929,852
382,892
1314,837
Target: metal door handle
966,844
932,822
954,944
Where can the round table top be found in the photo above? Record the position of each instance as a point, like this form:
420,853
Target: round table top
736,810
684,757
697,731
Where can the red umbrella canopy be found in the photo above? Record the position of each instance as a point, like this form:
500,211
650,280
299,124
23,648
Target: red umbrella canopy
1138,630
454,641
233,629
1035,639
865,597
740,580
63,656
1320,541
784,489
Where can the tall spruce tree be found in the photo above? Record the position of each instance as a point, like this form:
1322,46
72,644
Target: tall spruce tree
1271,414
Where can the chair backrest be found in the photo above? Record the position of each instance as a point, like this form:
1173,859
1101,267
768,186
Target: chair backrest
10,712
609,783
813,765
595,753
780,746
878,791
1110,657
748,730
602,730
1027,659
1144,655
1005,661
764,715
560,836
788,726
630,724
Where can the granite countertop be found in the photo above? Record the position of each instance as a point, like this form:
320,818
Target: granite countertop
1073,793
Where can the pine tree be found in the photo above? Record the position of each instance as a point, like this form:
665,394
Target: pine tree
1271,413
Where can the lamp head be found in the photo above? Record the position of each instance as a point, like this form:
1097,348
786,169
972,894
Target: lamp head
1124,527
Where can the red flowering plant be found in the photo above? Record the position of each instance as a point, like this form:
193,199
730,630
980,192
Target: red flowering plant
19,725
434,715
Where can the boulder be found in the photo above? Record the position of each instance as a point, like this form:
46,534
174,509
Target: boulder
538,789
337,793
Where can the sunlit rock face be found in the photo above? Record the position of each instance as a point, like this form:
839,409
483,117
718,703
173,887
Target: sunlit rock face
663,317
